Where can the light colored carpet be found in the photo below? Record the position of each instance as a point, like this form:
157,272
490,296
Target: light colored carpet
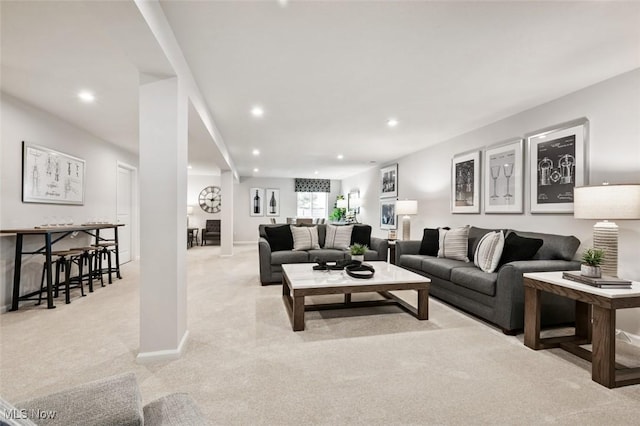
244,365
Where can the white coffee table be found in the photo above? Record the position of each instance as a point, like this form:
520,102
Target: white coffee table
300,280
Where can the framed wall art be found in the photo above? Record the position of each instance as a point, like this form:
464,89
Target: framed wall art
465,183
273,202
389,181
504,177
51,177
388,219
256,202
557,164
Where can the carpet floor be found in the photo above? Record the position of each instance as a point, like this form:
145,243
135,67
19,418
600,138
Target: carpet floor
244,365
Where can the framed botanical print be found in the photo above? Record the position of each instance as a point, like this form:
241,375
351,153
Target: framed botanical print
465,183
273,202
557,164
389,181
256,202
388,219
504,177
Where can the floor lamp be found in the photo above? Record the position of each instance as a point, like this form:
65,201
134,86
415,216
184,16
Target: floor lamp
405,208
607,202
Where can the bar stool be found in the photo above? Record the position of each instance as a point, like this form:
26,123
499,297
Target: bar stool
105,249
65,258
88,255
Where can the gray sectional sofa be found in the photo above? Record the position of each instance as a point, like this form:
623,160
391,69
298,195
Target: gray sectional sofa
271,261
497,297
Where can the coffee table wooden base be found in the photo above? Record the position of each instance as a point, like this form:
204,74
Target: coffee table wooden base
294,299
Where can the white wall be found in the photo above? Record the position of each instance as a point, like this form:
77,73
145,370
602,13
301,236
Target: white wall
246,226
22,122
195,184
613,110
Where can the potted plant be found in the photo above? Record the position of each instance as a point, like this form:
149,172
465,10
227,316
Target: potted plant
357,252
591,260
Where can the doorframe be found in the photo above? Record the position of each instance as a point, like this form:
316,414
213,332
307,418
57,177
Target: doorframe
135,217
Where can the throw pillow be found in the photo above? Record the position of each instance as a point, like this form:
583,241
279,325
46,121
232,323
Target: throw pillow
430,238
519,248
489,251
361,234
453,244
338,237
279,237
305,237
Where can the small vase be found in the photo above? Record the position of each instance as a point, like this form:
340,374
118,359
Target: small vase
590,271
358,257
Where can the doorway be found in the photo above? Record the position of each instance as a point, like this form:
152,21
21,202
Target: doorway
125,211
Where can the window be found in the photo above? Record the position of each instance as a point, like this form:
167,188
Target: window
312,204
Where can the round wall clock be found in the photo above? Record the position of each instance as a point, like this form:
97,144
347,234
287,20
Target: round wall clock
210,199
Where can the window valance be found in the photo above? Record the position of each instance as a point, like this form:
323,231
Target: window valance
312,185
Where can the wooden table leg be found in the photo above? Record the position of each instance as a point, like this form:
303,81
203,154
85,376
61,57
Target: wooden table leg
298,312
532,317
423,304
583,320
603,369
347,298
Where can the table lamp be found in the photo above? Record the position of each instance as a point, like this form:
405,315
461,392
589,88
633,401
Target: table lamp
406,208
607,202
189,213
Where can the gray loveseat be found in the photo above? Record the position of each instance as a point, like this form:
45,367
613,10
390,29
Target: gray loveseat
271,261
497,297
112,401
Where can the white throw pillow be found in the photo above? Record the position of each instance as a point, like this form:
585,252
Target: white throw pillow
338,237
305,237
489,251
454,243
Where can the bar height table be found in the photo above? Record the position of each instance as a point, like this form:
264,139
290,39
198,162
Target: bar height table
48,233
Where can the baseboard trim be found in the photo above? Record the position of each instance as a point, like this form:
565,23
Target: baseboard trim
245,243
165,355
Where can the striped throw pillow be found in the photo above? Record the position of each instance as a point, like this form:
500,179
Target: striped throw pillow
305,237
453,243
489,251
338,237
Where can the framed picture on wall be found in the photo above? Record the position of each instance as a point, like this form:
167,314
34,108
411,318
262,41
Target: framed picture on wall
557,164
51,177
389,181
504,177
388,219
273,202
256,202
465,183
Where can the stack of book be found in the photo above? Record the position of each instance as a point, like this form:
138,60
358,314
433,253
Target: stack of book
602,282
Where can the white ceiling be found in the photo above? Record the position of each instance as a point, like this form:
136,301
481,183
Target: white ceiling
328,74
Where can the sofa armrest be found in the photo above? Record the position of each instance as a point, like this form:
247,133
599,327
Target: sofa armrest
176,409
381,246
115,400
407,247
264,257
510,286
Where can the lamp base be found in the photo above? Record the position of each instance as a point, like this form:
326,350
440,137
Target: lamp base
605,237
406,228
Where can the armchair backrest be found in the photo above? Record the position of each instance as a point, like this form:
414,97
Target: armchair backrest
213,225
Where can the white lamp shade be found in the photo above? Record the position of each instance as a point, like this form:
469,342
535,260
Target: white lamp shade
342,204
406,207
607,202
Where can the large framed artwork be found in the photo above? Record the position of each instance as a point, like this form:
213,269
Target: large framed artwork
504,177
465,179
388,219
557,164
273,202
389,181
256,202
51,177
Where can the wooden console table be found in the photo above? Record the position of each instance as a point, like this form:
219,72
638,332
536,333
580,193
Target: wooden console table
590,301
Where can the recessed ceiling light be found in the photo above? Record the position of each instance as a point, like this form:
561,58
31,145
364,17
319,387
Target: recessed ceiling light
257,111
86,96
392,122
340,156
256,152
256,170
315,173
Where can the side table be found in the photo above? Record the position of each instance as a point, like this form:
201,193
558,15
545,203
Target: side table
392,252
599,302
192,235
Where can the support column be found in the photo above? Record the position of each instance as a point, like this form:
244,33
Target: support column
226,231
163,200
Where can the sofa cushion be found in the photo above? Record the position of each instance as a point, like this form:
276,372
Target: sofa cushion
489,251
305,237
361,234
413,261
290,256
326,255
371,255
442,268
554,247
519,248
279,237
475,279
453,244
429,244
338,237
